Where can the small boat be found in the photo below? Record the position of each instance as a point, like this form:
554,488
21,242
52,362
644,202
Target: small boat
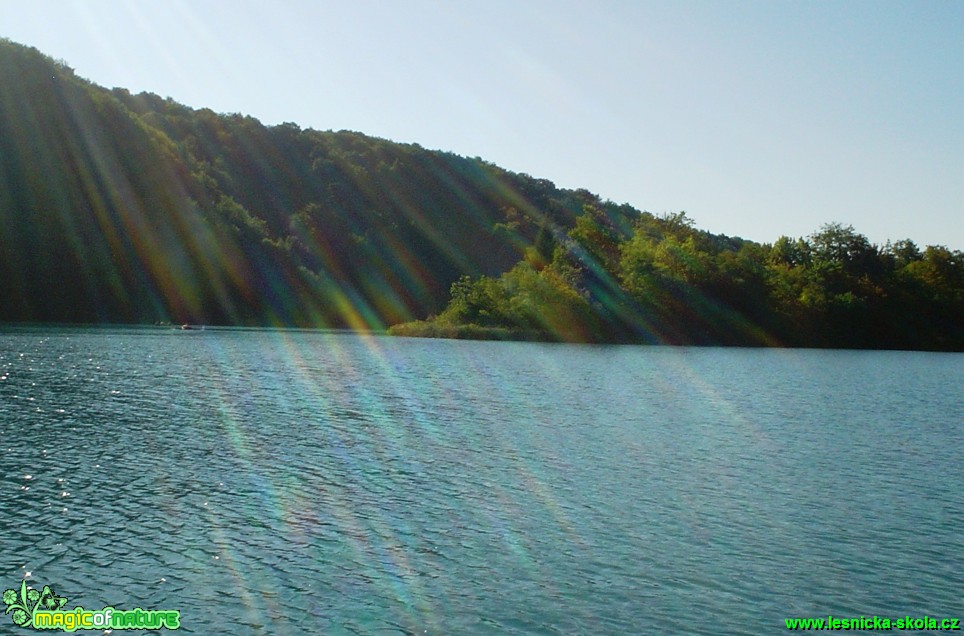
187,327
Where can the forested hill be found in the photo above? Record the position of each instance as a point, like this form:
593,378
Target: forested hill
132,208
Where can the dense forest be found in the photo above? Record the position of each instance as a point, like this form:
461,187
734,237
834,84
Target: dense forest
659,280
133,208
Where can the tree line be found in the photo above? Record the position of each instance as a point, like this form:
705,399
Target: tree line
658,279
117,207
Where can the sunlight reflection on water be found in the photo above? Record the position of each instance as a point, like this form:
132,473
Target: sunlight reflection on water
362,484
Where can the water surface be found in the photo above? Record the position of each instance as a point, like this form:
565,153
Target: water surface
292,482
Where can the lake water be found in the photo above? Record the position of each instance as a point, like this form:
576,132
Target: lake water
290,482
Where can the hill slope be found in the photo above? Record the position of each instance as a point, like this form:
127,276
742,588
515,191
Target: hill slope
132,208
115,207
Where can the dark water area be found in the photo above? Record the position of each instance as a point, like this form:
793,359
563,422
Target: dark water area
292,482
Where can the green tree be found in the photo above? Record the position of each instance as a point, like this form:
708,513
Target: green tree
840,244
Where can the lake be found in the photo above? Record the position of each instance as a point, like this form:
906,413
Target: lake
292,482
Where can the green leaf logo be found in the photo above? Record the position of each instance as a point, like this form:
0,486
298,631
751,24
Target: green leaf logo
50,601
24,603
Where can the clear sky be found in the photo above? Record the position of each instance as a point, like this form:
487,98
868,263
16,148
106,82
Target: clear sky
756,118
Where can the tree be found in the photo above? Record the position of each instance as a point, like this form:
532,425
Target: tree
786,251
902,252
837,243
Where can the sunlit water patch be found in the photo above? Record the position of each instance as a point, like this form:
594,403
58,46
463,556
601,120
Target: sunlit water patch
293,482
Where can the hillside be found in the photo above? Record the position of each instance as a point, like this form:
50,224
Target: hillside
662,281
133,208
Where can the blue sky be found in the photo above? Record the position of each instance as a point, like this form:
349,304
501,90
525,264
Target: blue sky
757,118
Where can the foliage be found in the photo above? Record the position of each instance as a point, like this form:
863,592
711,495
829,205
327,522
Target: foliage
133,208
121,207
668,282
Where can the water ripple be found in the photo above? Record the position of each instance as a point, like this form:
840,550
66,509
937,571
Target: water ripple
299,481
